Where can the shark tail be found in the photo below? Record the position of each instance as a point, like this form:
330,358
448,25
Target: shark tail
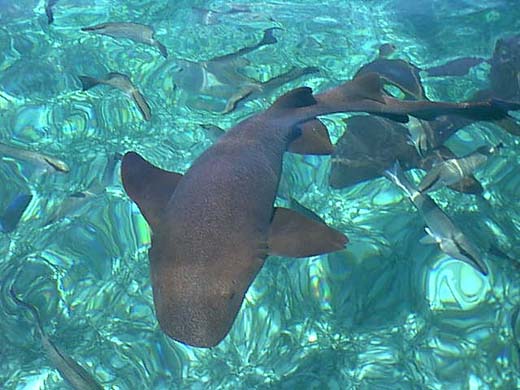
491,110
88,82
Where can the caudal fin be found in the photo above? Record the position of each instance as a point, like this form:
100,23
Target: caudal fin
88,82
268,38
162,49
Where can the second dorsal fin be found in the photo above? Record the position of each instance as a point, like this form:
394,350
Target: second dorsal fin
299,97
368,86
314,139
148,186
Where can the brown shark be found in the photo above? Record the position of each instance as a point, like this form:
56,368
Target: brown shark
136,32
123,83
213,228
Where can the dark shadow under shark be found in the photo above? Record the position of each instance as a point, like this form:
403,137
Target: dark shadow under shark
371,145
213,227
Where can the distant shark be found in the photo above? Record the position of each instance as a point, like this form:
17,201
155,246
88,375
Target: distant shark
220,77
213,227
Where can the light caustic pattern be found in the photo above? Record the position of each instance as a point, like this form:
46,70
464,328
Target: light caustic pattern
386,313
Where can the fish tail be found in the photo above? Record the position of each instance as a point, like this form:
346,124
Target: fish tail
268,38
162,49
49,14
88,82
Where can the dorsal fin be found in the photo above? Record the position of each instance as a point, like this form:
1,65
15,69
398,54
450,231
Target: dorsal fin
369,86
299,97
148,186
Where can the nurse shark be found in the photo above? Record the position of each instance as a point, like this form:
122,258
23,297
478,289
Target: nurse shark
214,226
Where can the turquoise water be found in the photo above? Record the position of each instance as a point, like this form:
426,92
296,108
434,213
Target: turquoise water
387,313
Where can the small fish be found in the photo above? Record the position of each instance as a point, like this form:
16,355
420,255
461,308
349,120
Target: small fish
73,373
136,32
123,83
41,160
454,170
14,212
48,10
440,228
419,139
72,205
468,185
386,49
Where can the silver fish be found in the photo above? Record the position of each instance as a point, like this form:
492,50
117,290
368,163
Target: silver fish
136,32
440,228
70,370
123,83
43,161
451,171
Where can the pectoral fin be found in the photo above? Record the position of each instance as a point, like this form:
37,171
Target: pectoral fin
292,234
148,186
315,139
